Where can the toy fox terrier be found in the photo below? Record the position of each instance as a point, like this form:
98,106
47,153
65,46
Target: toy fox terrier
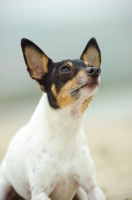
49,158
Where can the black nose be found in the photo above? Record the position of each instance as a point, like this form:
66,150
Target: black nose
93,71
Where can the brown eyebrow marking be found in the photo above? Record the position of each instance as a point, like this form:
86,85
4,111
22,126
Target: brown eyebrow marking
69,64
85,104
86,63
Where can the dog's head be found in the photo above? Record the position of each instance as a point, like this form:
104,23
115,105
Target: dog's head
67,81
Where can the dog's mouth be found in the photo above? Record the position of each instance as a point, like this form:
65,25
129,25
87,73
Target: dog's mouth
92,84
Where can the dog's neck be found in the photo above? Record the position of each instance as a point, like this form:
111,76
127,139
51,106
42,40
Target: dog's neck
53,127
67,119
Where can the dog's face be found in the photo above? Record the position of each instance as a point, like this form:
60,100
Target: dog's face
67,81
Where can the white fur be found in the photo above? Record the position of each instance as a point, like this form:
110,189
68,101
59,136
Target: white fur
49,158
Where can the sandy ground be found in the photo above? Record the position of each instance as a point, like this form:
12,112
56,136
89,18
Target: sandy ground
108,125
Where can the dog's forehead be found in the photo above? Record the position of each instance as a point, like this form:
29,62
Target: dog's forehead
78,62
75,63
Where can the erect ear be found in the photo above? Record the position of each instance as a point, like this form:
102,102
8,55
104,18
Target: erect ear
91,53
35,59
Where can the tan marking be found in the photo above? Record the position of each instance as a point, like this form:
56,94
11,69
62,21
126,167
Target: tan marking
64,98
37,62
92,56
85,104
86,63
53,89
70,64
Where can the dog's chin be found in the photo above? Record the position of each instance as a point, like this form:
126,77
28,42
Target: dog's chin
88,87
86,91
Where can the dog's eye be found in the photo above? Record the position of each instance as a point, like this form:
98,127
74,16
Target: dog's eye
65,69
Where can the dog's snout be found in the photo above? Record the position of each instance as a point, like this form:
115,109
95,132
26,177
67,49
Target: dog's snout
93,71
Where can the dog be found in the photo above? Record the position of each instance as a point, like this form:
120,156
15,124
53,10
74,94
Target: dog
49,158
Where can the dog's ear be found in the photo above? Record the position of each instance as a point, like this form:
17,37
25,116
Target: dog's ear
36,60
91,53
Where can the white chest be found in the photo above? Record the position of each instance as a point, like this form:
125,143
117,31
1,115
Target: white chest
62,172
52,156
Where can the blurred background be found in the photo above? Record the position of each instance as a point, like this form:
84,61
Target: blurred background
62,29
